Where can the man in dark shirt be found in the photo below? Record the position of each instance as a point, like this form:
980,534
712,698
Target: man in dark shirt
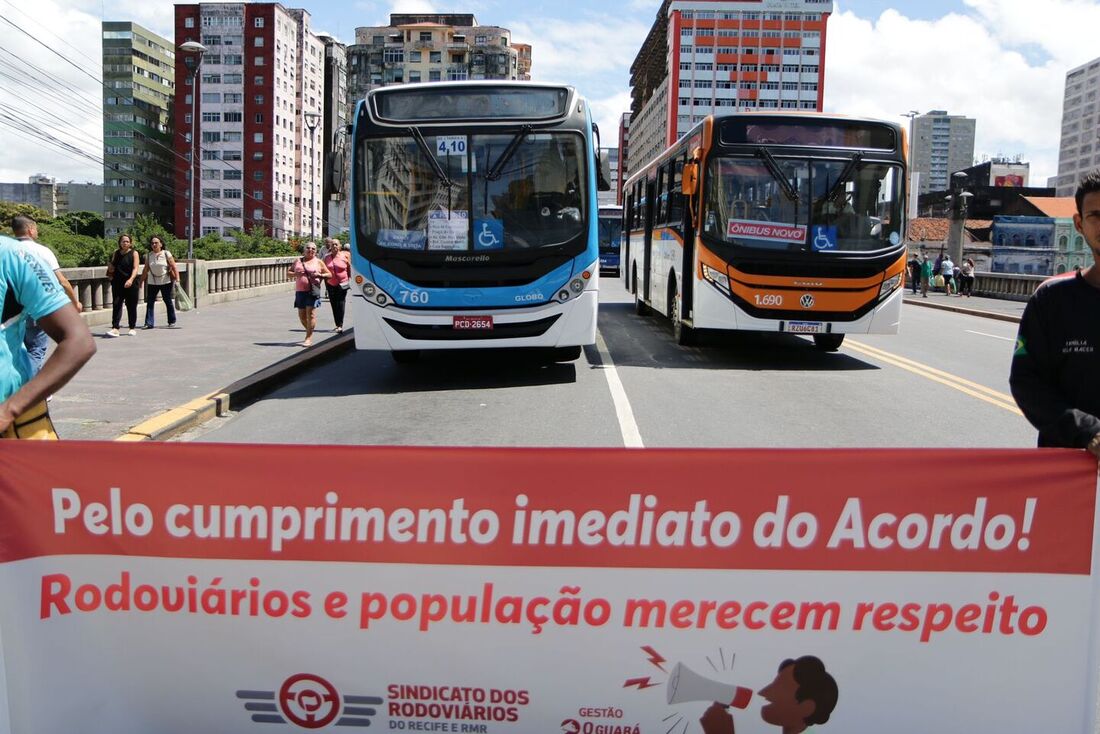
1056,365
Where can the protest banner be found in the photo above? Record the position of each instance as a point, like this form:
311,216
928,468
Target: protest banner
182,588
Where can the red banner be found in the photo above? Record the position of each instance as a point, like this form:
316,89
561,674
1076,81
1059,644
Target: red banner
872,510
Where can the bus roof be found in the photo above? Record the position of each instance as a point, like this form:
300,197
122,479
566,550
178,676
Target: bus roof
482,101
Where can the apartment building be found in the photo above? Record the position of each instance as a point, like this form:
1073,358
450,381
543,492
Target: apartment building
941,145
254,107
432,48
139,160
1079,151
722,56
39,191
337,117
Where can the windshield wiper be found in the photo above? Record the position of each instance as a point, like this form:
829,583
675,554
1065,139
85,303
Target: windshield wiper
497,169
842,179
773,168
423,145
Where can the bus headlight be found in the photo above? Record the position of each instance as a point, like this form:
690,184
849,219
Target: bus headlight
375,295
716,277
887,286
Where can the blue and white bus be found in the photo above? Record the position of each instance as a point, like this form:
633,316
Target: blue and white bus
474,218
611,234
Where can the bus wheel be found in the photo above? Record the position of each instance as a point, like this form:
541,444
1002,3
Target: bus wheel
639,305
828,342
565,354
406,356
684,335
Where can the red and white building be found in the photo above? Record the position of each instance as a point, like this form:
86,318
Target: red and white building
262,71
723,56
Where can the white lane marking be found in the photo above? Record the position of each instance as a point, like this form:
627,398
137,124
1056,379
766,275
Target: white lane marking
632,438
992,336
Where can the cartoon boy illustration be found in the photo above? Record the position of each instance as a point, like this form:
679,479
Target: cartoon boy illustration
801,695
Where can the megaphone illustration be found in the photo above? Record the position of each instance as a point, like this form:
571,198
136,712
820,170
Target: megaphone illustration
686,685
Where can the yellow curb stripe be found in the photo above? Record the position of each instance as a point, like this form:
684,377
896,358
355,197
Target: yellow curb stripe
930,373
996,394
202,408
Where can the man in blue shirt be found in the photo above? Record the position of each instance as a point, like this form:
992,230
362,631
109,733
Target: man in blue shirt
28,290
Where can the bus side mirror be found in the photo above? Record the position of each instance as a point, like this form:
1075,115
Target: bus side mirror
603,180
336,172
689,182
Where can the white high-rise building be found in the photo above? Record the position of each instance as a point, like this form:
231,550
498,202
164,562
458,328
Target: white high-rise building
942,144
1079,151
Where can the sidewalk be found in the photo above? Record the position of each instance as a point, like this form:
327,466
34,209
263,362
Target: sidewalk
134,377
990,307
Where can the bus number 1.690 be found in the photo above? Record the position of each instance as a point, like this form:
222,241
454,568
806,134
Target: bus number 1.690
768,299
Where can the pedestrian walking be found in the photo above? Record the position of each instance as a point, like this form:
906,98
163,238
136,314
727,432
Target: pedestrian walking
966,276
307,272
914,274
1057,356
339,282
925,275
28,290
157,278
123,272
947,270
36,340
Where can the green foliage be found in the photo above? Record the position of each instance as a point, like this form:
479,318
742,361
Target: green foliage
144,228
73,250
85,223
9,209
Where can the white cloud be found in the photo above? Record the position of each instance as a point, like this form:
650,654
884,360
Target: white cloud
62,101
582,51
959,63
606,112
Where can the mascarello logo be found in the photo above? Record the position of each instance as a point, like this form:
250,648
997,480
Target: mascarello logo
310,702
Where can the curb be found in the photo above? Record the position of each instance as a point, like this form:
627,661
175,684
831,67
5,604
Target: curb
239,394
962,309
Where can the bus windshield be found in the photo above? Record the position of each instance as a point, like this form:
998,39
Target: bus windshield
611,229
510,191
800,204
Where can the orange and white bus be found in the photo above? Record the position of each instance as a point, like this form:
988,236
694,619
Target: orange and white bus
781,222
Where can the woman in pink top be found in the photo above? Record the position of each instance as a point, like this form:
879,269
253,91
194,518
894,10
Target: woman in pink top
308,272
339,264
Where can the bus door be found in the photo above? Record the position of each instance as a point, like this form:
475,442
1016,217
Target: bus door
624,247
680,214
647,242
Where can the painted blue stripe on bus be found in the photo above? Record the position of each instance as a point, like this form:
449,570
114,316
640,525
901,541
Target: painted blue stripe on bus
536,292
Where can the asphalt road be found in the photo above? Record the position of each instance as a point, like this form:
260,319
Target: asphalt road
942,382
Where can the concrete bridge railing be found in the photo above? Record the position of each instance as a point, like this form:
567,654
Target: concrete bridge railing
207,282
1006,286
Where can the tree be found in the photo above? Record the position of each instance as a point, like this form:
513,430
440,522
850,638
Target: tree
10,209
85,223
145,227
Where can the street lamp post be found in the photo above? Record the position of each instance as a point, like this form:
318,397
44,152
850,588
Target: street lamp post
312,118
914,196
957,214
193,60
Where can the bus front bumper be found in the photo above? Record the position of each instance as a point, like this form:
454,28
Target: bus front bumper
548,325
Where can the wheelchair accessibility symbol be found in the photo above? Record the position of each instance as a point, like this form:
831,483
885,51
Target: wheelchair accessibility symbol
824,238
488,234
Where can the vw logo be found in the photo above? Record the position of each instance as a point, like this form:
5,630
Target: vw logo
807,301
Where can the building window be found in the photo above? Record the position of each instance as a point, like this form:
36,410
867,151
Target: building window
414,75
259,99
231,175
188,22
393,55
211,97
435,57
259,117
257,137
233,117
258,175
258,194
415,57
259,61
425,35
433,75
258,23
232,193
258,41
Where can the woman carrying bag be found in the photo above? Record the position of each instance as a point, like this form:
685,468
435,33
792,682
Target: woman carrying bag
158,278
122,271
308,272
339,264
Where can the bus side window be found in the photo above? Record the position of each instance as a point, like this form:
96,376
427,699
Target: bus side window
660,197
675,196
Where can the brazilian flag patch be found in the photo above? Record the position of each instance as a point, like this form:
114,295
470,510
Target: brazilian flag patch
1021,347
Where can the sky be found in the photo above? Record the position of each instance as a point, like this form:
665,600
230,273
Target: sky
1002,62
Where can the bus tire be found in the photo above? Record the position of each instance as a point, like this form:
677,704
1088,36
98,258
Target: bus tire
828,342
565,354
640,307
406,356
683,334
